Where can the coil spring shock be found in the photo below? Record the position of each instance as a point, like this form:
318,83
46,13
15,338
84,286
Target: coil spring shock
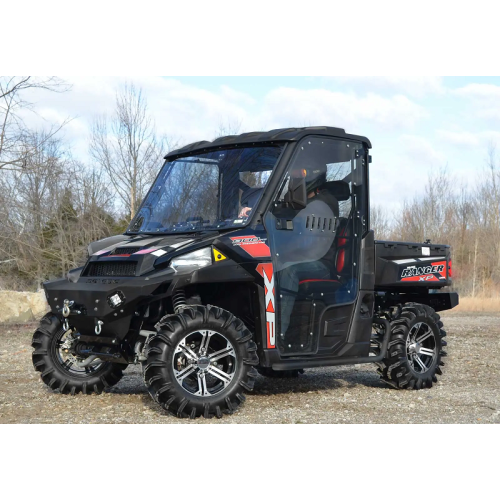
179,301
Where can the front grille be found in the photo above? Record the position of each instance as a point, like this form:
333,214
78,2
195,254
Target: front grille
127,251
104,269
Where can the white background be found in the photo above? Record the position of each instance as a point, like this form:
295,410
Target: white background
249,38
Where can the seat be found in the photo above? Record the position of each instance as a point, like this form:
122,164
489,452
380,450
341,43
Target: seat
339,189
338,258
343,257
320,286
340,279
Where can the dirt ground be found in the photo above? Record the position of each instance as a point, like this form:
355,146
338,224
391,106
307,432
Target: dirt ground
468,393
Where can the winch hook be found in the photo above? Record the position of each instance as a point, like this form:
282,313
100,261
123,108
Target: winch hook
66,312
98,328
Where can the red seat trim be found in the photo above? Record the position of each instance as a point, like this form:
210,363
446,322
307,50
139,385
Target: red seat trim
318,281
341,260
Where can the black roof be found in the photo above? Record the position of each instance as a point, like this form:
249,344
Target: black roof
280,135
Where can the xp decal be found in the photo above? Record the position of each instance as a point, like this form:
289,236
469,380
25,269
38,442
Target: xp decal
433,272
254,246
267,272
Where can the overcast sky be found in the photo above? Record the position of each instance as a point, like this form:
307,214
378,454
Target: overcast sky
416,124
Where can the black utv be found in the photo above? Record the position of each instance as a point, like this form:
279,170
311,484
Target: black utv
249,254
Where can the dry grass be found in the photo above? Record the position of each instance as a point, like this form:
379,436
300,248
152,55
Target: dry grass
477,305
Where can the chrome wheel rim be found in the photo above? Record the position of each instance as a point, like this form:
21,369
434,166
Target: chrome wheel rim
204,363
421,348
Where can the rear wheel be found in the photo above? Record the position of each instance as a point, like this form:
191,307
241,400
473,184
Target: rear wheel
414,357
62,368
200,362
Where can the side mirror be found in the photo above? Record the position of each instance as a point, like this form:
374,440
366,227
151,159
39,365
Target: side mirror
296,197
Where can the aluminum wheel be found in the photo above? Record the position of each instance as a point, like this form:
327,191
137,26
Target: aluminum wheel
204,363
421,348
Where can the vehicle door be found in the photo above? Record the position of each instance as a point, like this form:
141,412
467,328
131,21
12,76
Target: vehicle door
316,245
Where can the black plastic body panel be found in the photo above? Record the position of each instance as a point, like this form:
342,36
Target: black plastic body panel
438,301
274,136
406,266
90,297
335,324
358,343
367,261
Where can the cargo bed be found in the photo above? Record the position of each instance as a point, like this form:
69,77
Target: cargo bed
400,266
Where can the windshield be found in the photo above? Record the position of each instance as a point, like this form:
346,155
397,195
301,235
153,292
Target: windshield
211,191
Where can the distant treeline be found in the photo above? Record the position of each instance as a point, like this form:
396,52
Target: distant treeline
53,205
467,217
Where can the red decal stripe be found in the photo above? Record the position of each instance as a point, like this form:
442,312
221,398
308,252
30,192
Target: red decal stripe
252,245
318,281
267,272
429,277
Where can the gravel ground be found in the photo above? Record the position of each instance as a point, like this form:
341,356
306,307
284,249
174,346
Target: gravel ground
469,391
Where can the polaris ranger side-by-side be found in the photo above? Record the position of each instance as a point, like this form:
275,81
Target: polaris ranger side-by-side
249,254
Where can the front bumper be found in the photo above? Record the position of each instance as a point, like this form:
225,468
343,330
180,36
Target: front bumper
91,300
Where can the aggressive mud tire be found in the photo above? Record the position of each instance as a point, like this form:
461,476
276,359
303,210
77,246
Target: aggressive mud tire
401,369
55,376
164,354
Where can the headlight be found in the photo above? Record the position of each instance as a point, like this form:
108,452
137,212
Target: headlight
197,260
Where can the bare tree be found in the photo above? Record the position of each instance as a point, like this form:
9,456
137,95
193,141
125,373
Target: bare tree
428,216
227,128
33,196
486,227
49,212
380,222
127,147
52,206
14,152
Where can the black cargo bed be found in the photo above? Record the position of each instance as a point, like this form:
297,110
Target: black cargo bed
411,265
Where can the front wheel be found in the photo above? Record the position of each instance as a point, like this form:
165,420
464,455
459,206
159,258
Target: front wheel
414,356
61,366
200,362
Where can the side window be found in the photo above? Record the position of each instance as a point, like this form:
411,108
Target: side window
338,172
327,165
257,180
315,233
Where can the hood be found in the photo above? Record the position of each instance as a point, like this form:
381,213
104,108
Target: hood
129,256
126,246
